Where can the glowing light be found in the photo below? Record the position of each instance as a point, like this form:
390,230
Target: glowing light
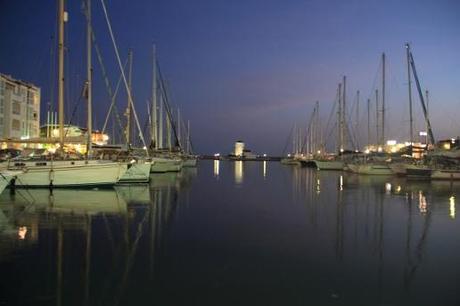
423,133
341,150
379,149
265,168
452,207
341,182
391,142
388,188
367,151
318,186
319,152
216,154
239,172
22,232
265,154
422,203
446,146
216,167
398,188
452,140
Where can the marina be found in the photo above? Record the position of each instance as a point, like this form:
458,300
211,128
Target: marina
229,153
295,234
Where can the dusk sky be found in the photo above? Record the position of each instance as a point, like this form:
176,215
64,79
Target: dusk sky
250,69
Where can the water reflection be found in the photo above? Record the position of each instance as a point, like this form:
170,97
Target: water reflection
216,167
238,171
264,167
365,211
322,233
90,242
452,207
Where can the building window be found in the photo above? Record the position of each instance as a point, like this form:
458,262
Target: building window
16,107
16,125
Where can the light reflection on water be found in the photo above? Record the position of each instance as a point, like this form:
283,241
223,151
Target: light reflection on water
216,167
297,235
239,171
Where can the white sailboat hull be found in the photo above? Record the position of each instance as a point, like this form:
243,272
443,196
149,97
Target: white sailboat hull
137,173
370,169
165,165
70,173
401,168
329,164
189,162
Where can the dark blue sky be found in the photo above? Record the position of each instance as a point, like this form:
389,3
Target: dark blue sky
251,69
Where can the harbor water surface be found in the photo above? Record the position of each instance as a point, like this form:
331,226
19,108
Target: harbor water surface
234,233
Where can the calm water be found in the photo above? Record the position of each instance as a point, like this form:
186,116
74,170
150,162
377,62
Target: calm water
233,233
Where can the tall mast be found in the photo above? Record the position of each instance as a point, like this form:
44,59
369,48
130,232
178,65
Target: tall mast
382,139
294,135
89,82
357,119
153,113
339,118
377,126
420,94
427,113
318,129
168,131
160,123
188,136
128,107
62,18
344,114
368,122
178,128
411,122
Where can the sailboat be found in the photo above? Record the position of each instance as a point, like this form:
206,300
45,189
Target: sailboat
375,163
61,172
421,170
336,162
162,160
293,158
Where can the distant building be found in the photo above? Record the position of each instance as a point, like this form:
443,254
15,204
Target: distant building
240,152
97,137
239,149
19,109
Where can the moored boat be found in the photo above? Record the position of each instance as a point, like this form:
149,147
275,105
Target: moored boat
329,164
163,164
372,168
67,173
137,172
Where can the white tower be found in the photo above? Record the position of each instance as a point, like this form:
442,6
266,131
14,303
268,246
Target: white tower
239,148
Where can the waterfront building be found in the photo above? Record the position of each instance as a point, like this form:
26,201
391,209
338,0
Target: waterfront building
19,109
239,148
